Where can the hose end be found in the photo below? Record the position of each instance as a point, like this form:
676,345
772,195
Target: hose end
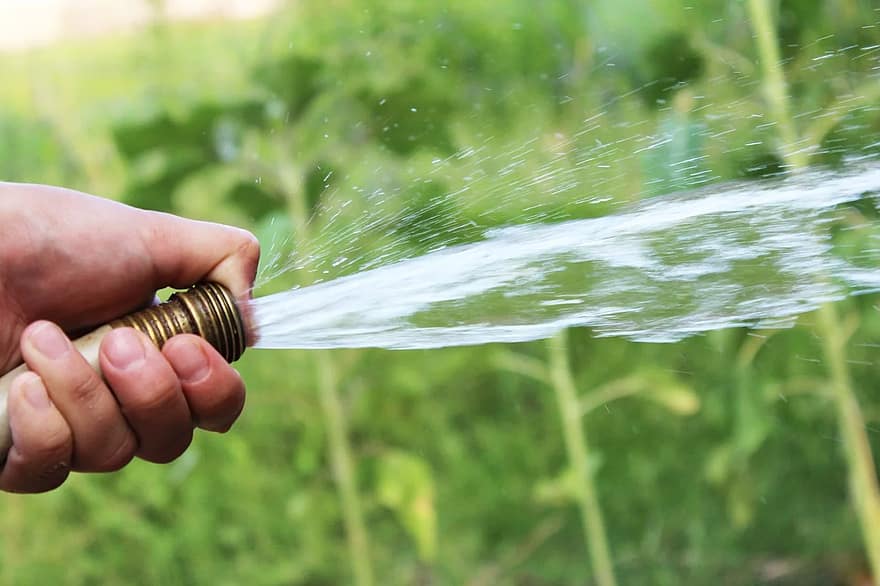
207,310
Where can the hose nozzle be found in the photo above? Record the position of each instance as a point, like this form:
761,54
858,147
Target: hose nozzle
207,310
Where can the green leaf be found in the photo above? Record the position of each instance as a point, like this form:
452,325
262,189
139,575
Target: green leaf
753,421
406,486
295,80
195,131
559,490
677,398
655,385
158,192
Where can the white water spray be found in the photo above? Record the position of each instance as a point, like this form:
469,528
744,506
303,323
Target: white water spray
745,254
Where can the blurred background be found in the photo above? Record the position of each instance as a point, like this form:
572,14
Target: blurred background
380,130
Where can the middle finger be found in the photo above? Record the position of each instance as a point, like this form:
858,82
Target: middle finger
149,392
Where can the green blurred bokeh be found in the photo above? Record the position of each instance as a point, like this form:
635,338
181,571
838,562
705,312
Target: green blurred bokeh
723,465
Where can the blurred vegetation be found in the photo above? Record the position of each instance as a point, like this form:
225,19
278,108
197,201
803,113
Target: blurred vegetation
349,132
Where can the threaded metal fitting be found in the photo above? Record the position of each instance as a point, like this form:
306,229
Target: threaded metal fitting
207,310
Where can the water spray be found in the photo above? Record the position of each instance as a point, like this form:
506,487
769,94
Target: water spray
207,310
747,254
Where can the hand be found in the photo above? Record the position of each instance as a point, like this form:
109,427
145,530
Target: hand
70,262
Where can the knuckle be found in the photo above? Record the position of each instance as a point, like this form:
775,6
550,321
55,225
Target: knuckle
221,418
248,252
152,400
151,390
82,386
120,455
249,246
22,474
223,405
54,446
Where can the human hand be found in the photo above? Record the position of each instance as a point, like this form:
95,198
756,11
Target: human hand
70,262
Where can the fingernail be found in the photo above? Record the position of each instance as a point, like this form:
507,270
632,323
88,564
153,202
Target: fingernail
49,341
35,393
190,362
125,349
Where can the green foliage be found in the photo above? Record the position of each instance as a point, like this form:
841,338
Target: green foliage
411,117
406,486
671,63
208,135
404,126
294,80
27,144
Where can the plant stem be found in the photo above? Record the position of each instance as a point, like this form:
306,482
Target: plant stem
578,453
856,446
775,88
343,471
341,459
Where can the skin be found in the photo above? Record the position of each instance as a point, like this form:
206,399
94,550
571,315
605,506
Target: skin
70,262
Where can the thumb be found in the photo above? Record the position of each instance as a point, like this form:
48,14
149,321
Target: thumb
186,251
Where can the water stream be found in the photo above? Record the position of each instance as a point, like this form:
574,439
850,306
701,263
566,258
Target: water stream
744,254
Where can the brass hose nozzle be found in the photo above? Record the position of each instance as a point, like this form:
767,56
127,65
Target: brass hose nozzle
207,310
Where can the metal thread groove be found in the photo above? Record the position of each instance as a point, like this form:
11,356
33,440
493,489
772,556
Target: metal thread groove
207,310
223,333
